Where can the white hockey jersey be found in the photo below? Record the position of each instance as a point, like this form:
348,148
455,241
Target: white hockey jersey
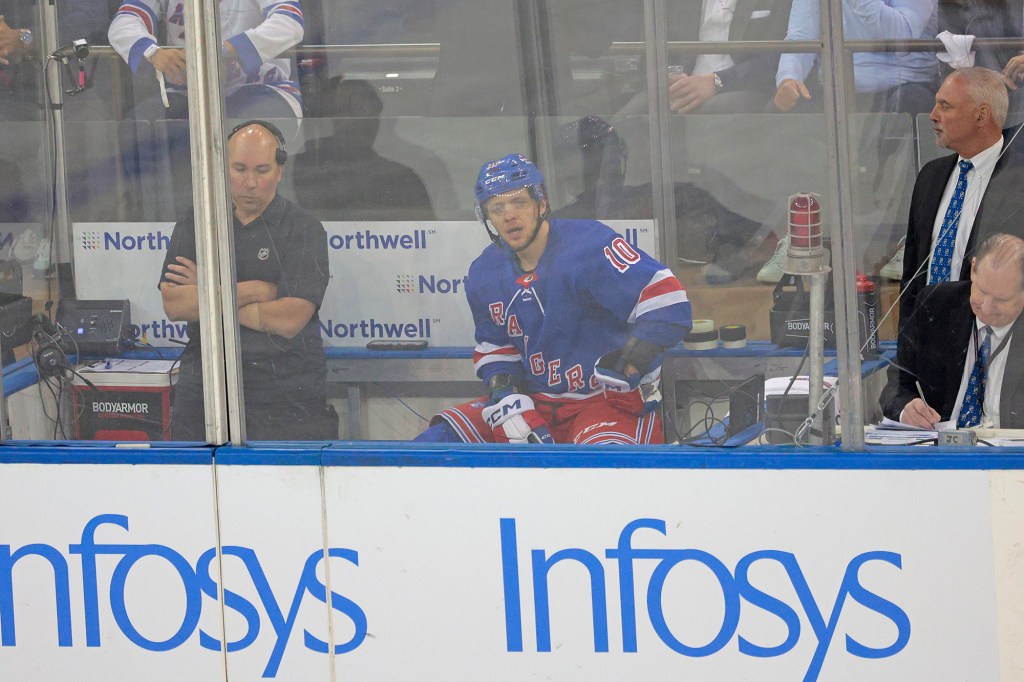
259,30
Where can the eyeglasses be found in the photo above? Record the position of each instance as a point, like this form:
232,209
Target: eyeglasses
517,204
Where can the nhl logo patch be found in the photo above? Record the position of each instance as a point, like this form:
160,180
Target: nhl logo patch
263,253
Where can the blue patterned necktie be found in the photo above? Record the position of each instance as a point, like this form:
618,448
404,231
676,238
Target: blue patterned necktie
942,258
974,397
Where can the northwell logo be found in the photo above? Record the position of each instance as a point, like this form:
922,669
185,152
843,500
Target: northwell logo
371,240
429,284
405,284
91,241
115,241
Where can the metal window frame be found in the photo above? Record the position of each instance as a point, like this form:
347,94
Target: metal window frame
221,356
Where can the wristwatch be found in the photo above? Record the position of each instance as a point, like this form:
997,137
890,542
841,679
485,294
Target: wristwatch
25,36
718,81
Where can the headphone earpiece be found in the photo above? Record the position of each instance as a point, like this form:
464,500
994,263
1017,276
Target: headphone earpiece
281,155
50,359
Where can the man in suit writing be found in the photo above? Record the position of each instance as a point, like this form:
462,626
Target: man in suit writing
958,359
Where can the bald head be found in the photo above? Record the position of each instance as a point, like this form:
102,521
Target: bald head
253,171
997,280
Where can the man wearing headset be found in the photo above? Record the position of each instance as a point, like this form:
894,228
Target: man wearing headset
282,270
571,324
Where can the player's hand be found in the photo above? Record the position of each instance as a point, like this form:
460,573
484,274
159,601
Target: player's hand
616,375
918,413
514,419
183,272
170,61
686,93
789,93
1014,71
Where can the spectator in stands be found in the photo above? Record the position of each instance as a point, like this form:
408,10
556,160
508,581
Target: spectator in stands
341,177
21,50
990,19
282,272
723,83
257,74
883,81
571,324
15,43
958,350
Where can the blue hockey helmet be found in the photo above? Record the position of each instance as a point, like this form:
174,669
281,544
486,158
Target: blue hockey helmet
508,173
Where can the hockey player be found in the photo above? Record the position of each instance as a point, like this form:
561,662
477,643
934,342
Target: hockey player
571,324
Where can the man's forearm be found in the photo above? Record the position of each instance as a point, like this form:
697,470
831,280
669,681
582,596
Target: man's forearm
255,291
284,317
181,302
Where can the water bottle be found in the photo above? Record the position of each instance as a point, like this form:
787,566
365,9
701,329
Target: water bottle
867,310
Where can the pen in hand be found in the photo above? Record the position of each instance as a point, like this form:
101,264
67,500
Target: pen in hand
932,417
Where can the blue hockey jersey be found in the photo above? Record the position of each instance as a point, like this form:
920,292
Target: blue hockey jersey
591,291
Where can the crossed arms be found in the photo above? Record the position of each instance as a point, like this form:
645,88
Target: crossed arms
259,307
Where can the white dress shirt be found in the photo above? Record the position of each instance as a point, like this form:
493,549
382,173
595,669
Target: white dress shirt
977,182
714,27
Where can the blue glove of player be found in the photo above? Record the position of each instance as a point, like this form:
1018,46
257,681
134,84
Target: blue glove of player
514,419
610,373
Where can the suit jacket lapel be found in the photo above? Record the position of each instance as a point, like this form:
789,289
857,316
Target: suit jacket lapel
685,25
740,17
927,224
961,319
1004,187
1013,374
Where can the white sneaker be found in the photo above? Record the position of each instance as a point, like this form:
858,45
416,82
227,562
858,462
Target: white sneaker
894,268
772,271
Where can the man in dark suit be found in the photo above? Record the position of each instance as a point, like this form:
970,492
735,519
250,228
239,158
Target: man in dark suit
970,109
955,326
708,84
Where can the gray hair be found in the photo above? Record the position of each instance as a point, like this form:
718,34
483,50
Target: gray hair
1002,250
985,86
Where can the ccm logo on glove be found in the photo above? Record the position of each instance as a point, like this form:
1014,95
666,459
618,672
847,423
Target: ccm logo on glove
514,419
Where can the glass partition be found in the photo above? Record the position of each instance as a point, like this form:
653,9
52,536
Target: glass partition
890,89
703,134
740,156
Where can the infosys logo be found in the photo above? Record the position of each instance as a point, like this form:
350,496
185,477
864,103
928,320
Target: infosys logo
372,240
429,284
645,572
116,241
194,578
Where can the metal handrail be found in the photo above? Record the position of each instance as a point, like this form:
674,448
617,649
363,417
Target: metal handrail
637,48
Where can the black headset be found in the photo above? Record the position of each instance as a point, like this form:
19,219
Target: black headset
282,154
50,357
